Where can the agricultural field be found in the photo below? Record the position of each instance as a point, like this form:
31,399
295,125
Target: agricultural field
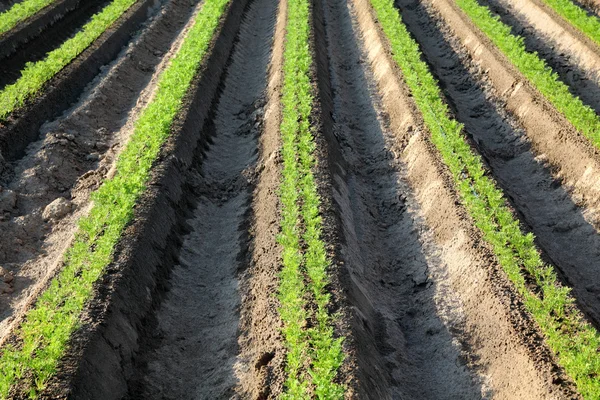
299,199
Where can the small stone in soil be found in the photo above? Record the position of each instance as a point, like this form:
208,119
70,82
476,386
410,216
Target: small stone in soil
57,209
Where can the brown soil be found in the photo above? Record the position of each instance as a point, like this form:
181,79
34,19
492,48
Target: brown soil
53,36
188,309
260,364
76,152
571,54
190,346
202,200
419,283
557,197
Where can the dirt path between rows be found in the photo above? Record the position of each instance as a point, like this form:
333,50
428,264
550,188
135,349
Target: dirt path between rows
190,346
433,316
573,56
546,172
390,268
76,152
51,38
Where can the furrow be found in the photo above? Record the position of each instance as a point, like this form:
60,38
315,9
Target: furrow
190,344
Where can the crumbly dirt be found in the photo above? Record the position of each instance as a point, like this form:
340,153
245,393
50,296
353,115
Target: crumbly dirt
420,282
190,347
52,37
261,360
571,54
557,196
405,338
76,152
188,308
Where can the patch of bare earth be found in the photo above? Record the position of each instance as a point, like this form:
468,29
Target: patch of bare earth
43,194
432,314
215,331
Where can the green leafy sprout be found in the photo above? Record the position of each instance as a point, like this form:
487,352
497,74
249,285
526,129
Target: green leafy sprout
304,273
43,337
573,340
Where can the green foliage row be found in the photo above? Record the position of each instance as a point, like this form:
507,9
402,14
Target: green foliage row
583,118
574,341
20,12
35,75
304,273
44,335
578,17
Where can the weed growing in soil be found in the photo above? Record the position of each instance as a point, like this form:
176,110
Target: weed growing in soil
316,345
573,340
35,75
20,12
43,337
535,69
578,17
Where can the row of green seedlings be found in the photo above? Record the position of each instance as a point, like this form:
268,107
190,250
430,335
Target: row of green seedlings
20,12
574,341
43,337
535,69
35,75
578,17
303,278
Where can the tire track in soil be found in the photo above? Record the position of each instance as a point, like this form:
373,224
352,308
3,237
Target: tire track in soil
547,209
405,348
51,38
76,151
191,346
582,82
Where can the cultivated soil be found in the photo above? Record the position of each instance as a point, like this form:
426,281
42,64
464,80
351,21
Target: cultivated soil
75,152
543,165
189,309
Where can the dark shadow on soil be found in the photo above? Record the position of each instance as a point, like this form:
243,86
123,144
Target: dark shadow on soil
405,339
567,240
189,344
7,4
68,160
51,38
580,83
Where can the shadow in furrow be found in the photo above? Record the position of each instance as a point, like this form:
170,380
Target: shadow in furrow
567,240
191,343
405,347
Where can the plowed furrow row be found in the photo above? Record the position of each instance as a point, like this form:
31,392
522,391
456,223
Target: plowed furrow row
51,37
190,345
304,199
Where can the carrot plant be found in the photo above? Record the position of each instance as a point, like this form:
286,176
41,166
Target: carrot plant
574,341
35,75
583,118
20,12
43,337
578,17
301,224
